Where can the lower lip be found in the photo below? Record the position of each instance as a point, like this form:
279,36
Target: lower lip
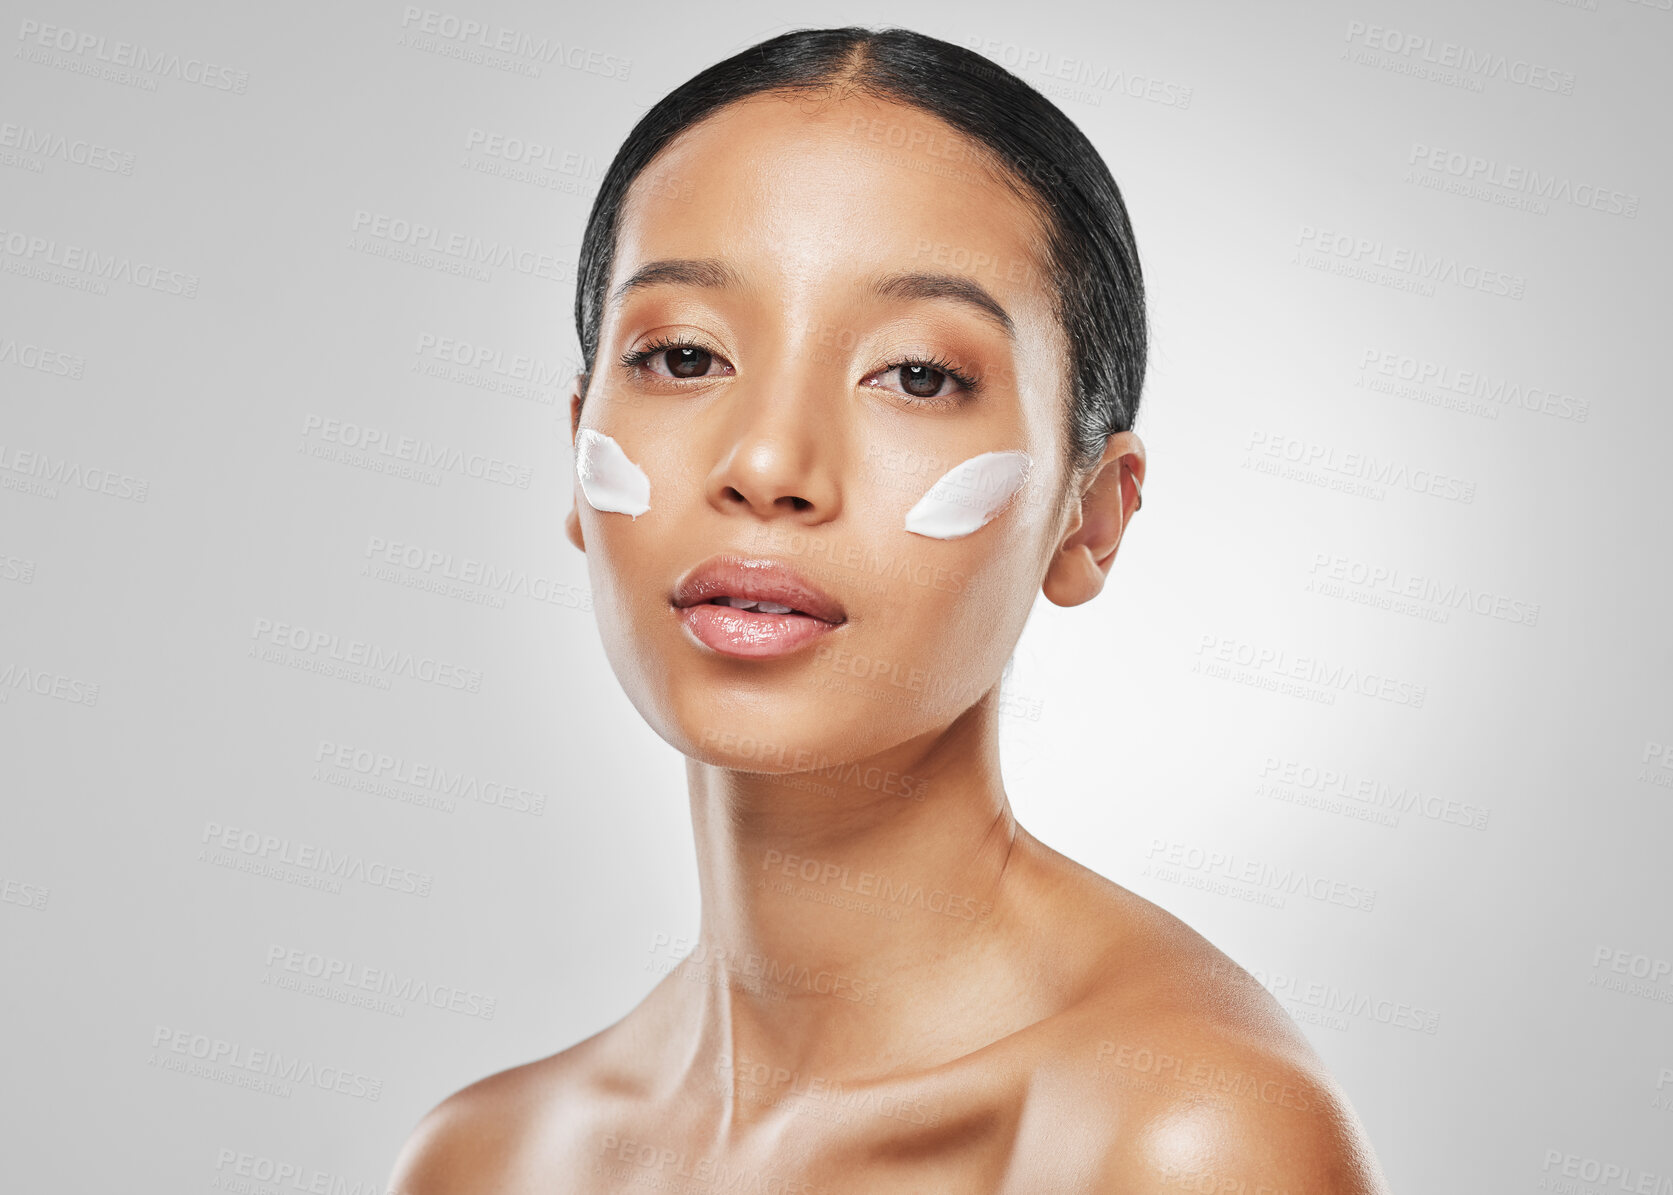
750,634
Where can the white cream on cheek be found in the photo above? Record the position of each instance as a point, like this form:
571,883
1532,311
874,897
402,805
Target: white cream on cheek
608,479
968,495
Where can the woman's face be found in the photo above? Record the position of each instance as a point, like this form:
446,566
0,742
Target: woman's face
785,429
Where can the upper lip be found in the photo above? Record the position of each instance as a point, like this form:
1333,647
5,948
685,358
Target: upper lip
756,579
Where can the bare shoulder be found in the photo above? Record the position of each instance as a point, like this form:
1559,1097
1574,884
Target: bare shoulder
483,1136
1186,1073
1207,1108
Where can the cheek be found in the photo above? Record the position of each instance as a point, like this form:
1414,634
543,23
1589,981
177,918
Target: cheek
617,576
619,492
627,499
610,480
967,497
952,604
984,514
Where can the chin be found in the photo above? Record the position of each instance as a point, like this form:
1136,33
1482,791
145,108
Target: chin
768,734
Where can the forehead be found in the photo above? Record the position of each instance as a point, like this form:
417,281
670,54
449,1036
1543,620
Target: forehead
815,195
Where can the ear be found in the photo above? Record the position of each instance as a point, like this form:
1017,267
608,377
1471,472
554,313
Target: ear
572,520
1107,501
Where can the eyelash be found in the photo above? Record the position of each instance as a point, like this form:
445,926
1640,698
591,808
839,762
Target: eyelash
636,358
940,365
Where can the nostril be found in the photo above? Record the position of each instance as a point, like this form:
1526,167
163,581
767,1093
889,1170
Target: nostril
732,493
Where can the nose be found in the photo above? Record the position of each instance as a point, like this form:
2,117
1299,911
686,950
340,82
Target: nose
779,455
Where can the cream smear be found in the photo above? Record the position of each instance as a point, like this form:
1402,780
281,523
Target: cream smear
968,495
608,479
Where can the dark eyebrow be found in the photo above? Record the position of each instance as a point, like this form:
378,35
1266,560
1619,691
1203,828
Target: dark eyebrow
920,285
678,271
712,272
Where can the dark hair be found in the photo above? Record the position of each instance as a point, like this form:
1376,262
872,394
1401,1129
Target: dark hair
1046,159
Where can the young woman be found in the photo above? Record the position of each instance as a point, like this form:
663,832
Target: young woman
864,336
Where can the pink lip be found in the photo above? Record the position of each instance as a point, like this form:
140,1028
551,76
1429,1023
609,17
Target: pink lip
752,634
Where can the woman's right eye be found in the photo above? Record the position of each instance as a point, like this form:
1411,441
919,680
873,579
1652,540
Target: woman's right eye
676,360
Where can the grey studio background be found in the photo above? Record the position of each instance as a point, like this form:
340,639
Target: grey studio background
1394,616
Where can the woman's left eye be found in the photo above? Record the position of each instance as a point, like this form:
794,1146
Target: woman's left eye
927,381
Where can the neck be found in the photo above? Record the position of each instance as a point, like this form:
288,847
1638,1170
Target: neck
845,910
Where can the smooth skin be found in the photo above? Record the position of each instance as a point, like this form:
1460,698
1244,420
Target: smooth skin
895,986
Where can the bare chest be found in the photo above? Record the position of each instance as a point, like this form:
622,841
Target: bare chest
808,1143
